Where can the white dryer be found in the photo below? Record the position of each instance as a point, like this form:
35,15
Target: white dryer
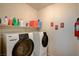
18,44
41,43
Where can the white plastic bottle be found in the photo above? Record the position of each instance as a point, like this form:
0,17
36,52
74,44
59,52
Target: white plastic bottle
5,20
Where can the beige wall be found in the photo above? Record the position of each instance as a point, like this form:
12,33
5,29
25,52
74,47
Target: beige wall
61,41
22,11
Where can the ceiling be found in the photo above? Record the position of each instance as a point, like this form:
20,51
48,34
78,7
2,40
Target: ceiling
39,6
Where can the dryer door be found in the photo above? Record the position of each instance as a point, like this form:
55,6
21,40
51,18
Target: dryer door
45,40
23,48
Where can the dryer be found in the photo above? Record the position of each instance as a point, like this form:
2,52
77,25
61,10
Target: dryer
41,43
18,44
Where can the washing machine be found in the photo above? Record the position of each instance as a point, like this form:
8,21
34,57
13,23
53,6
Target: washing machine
18,44
41,43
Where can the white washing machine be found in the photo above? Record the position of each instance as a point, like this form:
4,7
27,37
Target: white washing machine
18,44
41,43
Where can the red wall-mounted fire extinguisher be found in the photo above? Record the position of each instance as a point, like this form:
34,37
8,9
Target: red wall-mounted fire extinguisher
77,28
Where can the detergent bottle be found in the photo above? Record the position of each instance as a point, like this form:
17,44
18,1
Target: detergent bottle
10,22
39,23
15,22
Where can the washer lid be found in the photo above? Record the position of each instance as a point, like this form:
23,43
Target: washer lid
45,40
23,48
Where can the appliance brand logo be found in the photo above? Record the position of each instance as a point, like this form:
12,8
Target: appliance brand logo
13,39
9,36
